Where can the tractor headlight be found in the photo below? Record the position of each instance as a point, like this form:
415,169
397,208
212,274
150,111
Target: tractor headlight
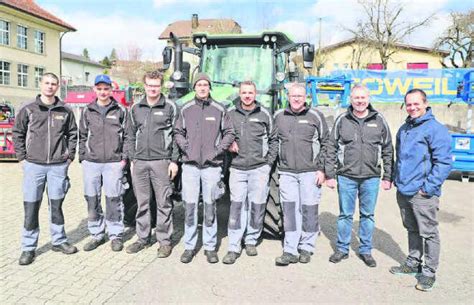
177,75
280,76
266,38
274,39
203,40
197,40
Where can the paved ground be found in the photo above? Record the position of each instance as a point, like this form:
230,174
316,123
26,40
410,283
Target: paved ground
103,276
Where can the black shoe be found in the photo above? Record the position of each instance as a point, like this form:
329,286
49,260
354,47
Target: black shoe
164,251
26,258
65,248
136,247
212,257
338,256
368,259
187,256
116,245
404,269
93,244
251,250
286,259
230,258
425,283
305,256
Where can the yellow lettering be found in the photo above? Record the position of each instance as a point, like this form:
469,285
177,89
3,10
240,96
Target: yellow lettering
397,85
437,86
424,83
444,89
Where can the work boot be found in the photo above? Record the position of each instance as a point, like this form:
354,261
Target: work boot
65,248
212,257
286,259
338,256
93,244
251,250
164,251
230,258
368,259
116,244
26,258
305,256
187,256
404,269
136,247
425,283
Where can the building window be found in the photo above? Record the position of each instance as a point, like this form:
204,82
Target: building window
22,37
375,66
4,73
417,65
38,73
39,42
4,32
22,75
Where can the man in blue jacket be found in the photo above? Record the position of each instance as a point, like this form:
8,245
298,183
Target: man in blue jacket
423,151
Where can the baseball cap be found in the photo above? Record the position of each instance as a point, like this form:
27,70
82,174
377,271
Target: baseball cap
102,78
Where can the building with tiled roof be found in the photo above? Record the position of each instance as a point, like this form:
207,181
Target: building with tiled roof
30,45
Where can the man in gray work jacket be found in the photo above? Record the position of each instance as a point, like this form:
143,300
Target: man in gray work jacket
203,133
154,163
360,144
303,136
45,137
102,133
254,151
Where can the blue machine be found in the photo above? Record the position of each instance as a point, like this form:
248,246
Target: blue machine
463,144
332,86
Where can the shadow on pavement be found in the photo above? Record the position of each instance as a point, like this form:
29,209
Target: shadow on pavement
74,236
382,241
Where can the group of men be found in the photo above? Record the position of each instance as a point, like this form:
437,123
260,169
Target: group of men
154,135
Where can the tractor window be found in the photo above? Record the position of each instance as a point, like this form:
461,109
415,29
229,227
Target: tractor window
236,64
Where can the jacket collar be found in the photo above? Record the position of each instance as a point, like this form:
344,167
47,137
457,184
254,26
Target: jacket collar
238,106
161,101
417,121
95,106
372,112
303,112
57,102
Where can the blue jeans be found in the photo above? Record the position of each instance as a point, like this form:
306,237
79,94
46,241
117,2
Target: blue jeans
366,189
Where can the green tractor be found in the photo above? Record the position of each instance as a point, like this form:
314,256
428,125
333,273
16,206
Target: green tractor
229,59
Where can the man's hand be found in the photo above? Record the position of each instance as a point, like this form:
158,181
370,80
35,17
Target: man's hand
386,185
123,163
331,183
422,193
320,177
172,170
234,147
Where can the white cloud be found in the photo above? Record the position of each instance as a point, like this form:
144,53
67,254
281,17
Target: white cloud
162,3
99,34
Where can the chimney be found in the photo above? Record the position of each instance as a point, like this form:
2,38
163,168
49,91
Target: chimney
194,22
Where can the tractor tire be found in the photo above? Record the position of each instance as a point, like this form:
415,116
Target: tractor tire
273,221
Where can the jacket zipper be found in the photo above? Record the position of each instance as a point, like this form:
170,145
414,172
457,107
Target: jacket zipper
49,136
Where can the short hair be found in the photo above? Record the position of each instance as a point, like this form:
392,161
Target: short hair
51,75
153,75
361,86
416,90
292,86
247,83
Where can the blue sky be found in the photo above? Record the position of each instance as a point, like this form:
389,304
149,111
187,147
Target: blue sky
123,24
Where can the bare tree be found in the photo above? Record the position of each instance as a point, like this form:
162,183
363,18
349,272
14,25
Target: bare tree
359,49
383,27
458,38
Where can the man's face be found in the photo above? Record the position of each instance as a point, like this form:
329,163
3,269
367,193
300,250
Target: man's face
49,86
415,105
152,87
202,89
360,99
297,96
247,94
103,92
